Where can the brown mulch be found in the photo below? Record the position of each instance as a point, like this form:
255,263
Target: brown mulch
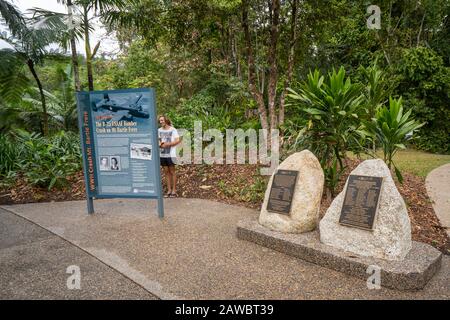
243,185
22,192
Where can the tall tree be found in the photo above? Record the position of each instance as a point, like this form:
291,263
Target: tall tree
291,60
69,28
254,90
271,113
29,44
73,46
88,10
95,7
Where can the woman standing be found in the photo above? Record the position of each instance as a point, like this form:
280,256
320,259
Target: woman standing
168,139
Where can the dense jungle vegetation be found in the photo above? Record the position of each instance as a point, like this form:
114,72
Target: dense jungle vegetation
311,68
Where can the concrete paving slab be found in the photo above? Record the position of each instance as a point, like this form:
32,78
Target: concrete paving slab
33,265
412,273
193,253
438,188
15,231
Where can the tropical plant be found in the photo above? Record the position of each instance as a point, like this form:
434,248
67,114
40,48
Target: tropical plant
62,104
391,127
69,29
94,7
12,17
332,109
377,88
9,117
87,10
424,84
9,155
49,162
376,91
29,43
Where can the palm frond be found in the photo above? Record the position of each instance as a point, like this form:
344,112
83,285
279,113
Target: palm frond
12,17
13,80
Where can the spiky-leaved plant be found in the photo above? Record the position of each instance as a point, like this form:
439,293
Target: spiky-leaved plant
392,127
332,108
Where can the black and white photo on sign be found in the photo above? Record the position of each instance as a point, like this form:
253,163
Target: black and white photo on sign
115,163
104,163
140,151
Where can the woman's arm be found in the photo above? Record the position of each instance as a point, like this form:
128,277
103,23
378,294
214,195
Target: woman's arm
171,144
176,141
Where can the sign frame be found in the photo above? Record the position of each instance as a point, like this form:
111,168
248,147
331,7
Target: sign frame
88,149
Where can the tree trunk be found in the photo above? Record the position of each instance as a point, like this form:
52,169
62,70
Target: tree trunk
234,51
30,64
251,69
73,46
76,69
293,40
273,69
88,50
420,30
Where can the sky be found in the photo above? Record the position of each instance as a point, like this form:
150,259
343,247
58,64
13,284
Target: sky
108,44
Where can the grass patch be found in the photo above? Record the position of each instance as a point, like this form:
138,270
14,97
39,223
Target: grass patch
416,162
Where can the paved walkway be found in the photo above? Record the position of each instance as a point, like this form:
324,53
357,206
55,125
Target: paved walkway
34,261
438,188
194,253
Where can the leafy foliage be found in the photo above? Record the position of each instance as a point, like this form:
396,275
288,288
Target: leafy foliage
9,155
425,85
333,107
44,161
13,77
12,17
194,53
392,128
220,105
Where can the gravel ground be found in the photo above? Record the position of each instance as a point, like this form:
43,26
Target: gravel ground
34,261
193,253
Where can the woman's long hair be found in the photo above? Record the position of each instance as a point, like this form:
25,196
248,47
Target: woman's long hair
167,120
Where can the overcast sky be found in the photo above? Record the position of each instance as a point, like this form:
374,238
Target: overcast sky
108,44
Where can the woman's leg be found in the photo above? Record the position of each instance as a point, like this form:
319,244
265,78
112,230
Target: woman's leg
168,179
174,178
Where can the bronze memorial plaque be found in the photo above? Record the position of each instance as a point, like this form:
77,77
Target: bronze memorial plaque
361,201
282,191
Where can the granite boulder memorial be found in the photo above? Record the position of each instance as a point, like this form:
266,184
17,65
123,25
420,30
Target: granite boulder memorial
369,217
292,199
365,228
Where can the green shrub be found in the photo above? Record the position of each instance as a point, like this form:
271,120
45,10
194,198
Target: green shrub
220,104
392,128
332,108
49,162
255,191
425,87
9,155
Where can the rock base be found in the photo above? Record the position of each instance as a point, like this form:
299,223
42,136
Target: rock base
413,273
